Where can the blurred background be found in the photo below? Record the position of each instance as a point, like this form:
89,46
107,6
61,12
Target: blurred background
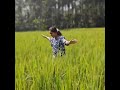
31,15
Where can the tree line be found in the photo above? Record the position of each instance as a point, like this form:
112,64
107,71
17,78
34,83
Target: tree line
41,14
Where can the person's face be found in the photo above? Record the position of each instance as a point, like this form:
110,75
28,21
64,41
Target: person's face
53,34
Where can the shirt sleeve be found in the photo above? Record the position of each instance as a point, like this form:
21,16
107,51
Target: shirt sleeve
50,39
64,40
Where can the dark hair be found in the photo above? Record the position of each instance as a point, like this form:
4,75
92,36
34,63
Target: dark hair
54,29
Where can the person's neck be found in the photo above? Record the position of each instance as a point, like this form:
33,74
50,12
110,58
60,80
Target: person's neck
56,37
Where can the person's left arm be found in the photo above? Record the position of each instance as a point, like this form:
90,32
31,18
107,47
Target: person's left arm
67,43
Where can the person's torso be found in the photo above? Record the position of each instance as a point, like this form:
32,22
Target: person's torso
58,45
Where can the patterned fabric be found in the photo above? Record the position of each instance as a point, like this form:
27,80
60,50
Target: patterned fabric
58,45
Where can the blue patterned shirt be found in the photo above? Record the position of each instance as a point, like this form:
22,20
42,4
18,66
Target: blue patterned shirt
58,45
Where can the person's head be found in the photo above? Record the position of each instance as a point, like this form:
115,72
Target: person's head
54,32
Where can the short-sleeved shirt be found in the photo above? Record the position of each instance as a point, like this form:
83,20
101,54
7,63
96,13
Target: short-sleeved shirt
58,45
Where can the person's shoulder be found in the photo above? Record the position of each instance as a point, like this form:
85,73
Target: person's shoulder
62,37
51,38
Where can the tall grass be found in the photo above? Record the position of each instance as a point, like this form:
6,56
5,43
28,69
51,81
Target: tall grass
83,67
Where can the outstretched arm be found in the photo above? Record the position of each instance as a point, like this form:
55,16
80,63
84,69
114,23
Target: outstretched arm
70,42
46,37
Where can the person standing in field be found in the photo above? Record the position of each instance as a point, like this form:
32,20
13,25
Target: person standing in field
58,41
